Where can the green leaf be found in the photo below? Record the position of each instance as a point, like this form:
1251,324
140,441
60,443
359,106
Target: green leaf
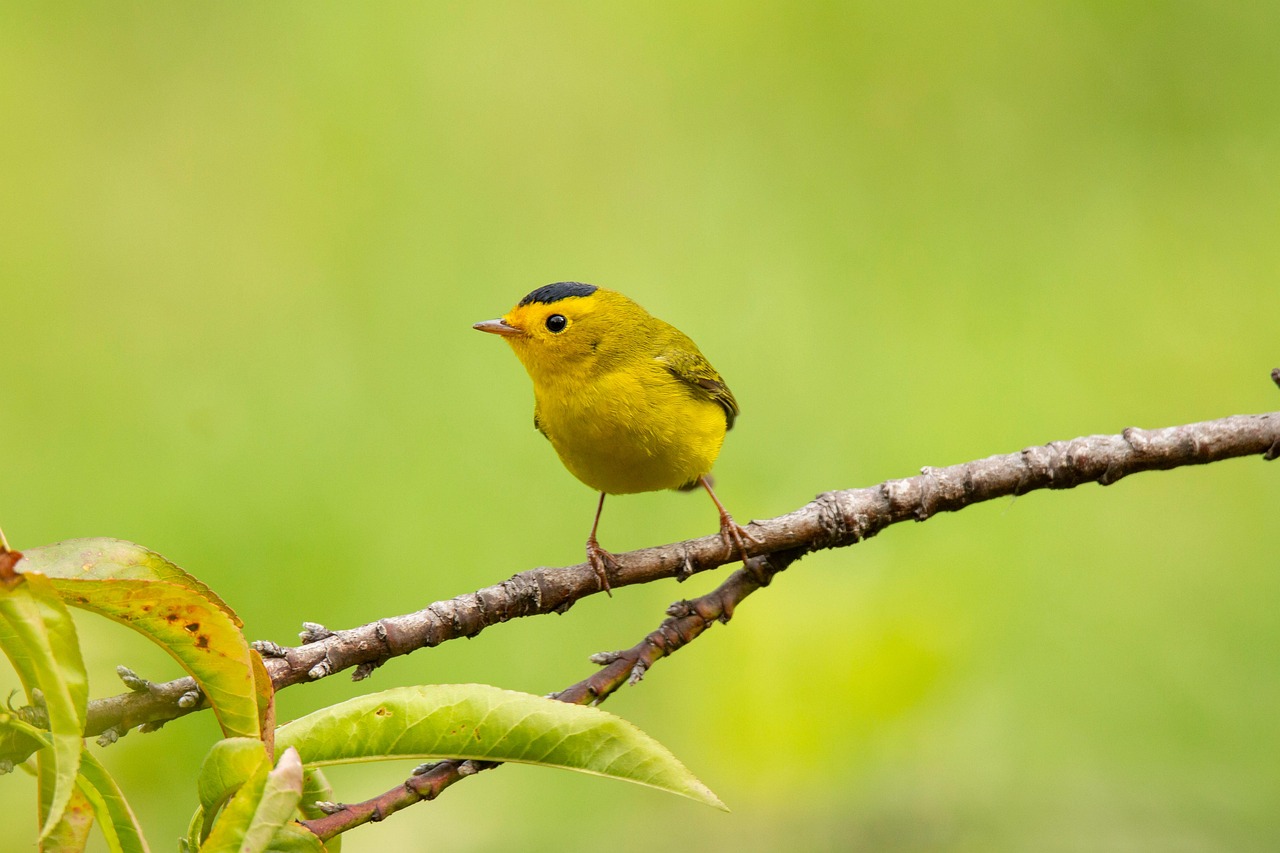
295,838
18,740
262,806
195,831
118,822
189,627
488,723
315,788
38,636
229,828
231,763
96,787
115,559
279,803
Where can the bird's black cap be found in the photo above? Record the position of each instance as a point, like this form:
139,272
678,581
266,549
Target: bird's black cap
550,293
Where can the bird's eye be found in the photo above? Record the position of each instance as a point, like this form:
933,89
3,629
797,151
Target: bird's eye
556,323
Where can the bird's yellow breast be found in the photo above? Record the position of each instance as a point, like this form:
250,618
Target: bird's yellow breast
633,429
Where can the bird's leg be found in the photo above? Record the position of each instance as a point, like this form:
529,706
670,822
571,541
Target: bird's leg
600,559
733,534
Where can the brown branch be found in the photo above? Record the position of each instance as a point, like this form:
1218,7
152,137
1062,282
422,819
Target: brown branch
833,519
685,622
1061,465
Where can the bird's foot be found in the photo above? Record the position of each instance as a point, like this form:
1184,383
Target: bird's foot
735,536
603,563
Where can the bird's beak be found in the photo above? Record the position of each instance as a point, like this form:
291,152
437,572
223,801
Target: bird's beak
498,327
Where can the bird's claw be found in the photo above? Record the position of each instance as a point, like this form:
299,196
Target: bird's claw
735,536
602,562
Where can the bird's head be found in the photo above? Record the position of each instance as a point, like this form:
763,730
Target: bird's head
568,327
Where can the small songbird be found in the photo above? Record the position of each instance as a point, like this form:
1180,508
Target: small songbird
628,401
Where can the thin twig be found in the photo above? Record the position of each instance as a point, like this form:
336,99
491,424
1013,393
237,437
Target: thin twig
685,622
833,519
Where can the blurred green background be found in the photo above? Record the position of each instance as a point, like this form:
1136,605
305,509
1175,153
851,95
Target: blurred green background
241,250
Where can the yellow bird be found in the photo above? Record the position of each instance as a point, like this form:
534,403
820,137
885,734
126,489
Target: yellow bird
628,401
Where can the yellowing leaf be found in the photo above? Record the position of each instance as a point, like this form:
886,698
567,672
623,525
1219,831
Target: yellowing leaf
102,558
265,693
71,833
141,589
195,631
38,636
481,722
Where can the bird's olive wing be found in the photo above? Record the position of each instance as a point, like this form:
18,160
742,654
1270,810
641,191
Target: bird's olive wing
690,366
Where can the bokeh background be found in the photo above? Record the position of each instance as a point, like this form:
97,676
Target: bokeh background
241,250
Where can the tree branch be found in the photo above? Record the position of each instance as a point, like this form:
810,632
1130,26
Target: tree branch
833,519
685,622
